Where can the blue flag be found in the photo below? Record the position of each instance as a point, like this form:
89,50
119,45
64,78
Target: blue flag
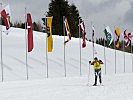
44,20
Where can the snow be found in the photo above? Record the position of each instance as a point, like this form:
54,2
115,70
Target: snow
115,87
74,87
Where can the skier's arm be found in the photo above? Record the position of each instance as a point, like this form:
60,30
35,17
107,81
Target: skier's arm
89,62
92,63
100,61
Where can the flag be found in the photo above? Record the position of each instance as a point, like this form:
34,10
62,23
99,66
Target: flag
49,33
93,33
44,20
109,36
30,32
6,14
45,29
48,26
127,38
67,30
82,26
117,32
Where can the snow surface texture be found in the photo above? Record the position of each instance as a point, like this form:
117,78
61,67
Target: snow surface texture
56,87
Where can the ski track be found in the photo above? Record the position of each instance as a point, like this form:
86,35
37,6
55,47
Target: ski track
68,89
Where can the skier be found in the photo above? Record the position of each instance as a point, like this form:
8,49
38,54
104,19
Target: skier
97,68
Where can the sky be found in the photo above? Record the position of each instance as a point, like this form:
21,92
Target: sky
93,12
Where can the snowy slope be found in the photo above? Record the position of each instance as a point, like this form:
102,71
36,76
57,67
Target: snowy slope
15,86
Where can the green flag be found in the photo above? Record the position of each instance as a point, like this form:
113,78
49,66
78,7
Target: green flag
109,35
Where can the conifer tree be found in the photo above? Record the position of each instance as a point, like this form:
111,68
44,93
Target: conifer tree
60,8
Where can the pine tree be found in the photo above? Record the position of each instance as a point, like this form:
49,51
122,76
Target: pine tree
74,20
60,8
36,26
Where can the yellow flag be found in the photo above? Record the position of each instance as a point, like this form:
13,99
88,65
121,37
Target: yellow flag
117,45
117,32
49,36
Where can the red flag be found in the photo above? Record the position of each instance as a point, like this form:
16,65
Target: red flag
67,30
30,32
6,13
82,26
127,38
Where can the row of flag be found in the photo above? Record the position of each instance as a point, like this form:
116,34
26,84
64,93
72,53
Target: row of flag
6,14
128,37
48,24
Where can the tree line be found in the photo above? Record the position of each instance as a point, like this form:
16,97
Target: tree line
19,24
103,42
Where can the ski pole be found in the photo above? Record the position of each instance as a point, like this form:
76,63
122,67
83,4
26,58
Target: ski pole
89,72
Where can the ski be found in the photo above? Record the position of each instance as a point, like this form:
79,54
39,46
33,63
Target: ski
95,85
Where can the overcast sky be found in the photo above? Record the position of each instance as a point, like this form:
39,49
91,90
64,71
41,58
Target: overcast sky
99,12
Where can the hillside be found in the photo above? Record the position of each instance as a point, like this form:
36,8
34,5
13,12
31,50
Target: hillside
56,87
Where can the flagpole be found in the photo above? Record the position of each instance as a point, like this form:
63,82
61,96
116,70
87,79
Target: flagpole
104,52
92,42
64,46
115,51
80,47
131,52
115,55
46,46
26,54
2,69
124,53
132,60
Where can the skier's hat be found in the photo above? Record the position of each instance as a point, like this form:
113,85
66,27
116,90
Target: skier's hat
95,58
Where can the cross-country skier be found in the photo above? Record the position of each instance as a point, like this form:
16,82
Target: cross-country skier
97,68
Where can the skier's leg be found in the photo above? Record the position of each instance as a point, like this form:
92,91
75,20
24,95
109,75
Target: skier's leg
99,73
95,78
